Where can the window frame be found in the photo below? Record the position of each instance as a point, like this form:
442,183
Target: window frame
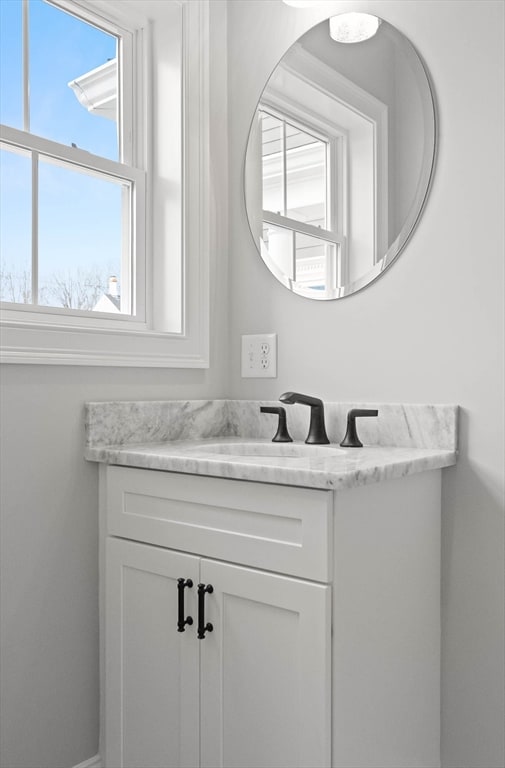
336,181
305,69
38,147
297,87
173,331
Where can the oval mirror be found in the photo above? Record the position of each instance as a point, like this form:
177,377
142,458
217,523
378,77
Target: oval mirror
340,156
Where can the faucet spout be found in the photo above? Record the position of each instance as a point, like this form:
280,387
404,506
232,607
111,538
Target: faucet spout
317,430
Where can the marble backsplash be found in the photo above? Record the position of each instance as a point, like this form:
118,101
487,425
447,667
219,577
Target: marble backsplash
128,423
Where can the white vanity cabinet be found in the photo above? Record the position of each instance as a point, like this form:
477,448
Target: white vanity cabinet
152,671
325,609
254,691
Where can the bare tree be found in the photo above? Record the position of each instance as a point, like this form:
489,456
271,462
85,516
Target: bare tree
15,286
77,289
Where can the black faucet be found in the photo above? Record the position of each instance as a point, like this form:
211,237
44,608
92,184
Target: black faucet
317,431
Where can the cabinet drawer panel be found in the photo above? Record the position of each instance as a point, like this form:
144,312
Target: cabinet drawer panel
278,528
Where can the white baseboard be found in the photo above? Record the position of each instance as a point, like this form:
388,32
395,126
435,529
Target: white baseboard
93,762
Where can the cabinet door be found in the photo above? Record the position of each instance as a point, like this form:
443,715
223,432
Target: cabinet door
265,670
152,670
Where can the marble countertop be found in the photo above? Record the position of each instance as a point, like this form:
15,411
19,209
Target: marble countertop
203,437
327,467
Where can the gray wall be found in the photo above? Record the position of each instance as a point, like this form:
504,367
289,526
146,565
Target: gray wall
49,506
430,330
49,579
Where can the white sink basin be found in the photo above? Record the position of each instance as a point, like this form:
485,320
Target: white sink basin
271,450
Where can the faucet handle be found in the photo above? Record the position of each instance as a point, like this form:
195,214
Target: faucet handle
282,435
351,439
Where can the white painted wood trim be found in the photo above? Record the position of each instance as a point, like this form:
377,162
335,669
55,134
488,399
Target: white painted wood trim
93,762
196,172
62,341
71,155
134,225
300,226
305,67
312,70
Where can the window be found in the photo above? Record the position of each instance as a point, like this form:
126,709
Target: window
300,224
103,214
66,164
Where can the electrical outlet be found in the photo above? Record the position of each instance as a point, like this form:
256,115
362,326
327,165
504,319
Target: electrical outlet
259,356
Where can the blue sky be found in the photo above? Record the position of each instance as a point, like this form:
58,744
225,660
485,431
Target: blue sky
79,216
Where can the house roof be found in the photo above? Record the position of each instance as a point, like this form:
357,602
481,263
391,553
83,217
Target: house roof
96,90
108,303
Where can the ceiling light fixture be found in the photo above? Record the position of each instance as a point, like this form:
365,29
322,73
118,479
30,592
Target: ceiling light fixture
353,27
302,3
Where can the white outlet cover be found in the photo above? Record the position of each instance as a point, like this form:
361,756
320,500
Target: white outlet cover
259,356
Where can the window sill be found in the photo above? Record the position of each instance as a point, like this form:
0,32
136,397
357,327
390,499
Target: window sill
25,343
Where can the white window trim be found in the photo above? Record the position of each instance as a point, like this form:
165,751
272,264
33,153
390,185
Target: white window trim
99,166
177,236
303,67
335,233
306,120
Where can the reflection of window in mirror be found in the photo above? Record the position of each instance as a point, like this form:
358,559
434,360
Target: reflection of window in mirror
339,159
301,182
321,148
294,171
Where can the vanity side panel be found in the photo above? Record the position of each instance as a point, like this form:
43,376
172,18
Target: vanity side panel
102,533
386,624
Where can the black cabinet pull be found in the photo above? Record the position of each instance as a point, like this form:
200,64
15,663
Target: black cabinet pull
181,585
202,626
